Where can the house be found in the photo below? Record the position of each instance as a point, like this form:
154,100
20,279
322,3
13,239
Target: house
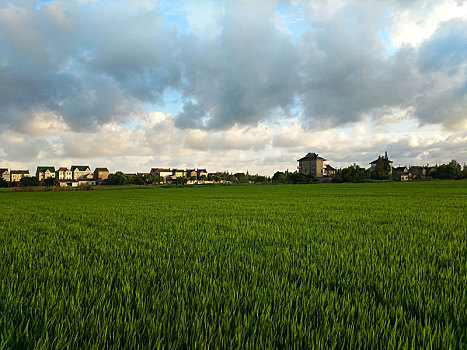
375,162
177,173
401,169
311,164
162,172
418,172
329,170
401,176
401,173
191,173
17,175
201,173
68,182
45,172
81,172
101,174
5,174
64,174
86,182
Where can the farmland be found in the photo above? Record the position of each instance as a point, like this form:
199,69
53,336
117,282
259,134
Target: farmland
330,266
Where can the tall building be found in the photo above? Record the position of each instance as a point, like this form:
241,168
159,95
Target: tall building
311,164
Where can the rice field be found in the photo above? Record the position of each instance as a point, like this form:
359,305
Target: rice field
287,266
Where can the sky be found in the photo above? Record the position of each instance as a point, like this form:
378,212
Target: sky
231,85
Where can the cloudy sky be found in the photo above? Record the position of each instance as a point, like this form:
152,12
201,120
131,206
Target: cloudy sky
231,85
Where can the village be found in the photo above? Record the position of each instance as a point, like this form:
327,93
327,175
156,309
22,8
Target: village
311,165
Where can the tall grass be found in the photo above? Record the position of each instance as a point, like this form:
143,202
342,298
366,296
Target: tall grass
325,266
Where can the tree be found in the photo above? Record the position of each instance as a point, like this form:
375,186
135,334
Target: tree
180,181
279,178
137,180
241,177
353,173
382,170
447,171
3,182
51,181
259,179
118,179
152,179
29,181
464,172
300,178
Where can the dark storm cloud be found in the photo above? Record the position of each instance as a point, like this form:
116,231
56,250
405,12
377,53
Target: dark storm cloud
347,72
92,64
101,61
443,59
246,73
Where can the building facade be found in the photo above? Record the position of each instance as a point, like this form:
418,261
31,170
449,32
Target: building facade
311,164
45,172
101,174
191,173
17,175
164,173
81,172
64,174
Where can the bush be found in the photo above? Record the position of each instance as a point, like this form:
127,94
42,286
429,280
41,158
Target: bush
29,181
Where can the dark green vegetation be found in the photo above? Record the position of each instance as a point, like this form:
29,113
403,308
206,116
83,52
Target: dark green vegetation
339,265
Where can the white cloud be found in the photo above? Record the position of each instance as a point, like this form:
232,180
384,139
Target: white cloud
419,21
155,141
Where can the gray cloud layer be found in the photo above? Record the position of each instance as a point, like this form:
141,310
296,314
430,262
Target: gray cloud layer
101,61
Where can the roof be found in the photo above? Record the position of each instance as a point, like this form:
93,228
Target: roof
328,167
63,169
311,156
80,167
200,170
42,169
190,170
101,169
376,161
2,170
401,168
153,170
19,172
178,170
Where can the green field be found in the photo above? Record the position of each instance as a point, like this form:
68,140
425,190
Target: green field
287,266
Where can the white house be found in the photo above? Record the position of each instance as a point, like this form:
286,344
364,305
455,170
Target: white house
82,172
64,174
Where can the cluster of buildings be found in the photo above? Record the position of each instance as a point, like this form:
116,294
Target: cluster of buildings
82,175
168,175
77,175
312,163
